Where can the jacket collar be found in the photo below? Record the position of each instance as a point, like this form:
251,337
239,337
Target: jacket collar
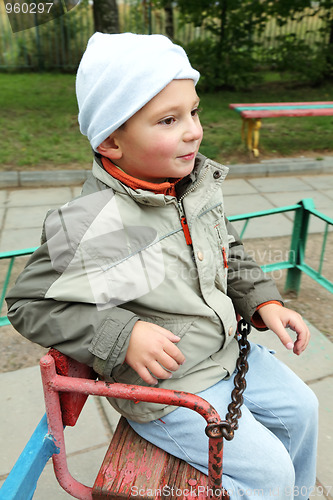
167,188
149,198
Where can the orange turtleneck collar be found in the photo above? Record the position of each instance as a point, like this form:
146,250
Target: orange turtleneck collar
167,188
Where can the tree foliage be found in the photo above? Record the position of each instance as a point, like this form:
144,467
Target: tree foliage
226,55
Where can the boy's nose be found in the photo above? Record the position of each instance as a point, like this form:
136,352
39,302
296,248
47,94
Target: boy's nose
193,131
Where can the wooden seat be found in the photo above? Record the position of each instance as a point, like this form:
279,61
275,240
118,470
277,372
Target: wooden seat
133,467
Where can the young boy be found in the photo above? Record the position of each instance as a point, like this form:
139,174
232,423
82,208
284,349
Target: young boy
142,275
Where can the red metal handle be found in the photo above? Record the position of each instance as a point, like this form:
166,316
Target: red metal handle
53,383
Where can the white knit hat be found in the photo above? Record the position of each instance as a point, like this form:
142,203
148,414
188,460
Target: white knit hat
119,74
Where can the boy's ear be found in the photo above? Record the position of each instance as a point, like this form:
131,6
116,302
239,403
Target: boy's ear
110,148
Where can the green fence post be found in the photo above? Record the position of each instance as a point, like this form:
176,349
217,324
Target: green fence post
298,244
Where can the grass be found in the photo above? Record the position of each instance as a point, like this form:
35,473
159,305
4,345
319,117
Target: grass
279,137
40,131
39,122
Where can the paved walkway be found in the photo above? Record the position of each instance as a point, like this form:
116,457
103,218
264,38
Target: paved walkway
22,210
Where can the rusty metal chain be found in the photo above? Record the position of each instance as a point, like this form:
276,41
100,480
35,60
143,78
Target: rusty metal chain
228,426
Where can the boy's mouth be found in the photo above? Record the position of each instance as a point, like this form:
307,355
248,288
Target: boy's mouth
189,156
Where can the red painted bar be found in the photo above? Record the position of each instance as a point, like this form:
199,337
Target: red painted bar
283,109
56,430
313,103
265,113
53,383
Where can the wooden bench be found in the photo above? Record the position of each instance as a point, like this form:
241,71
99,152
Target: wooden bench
132,467
252,115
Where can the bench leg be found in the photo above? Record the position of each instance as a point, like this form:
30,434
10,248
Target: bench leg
256,134
252,138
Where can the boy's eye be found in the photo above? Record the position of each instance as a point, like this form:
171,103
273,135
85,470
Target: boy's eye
195,111
167,121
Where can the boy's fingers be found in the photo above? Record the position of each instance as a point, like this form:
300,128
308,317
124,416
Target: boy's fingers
168,362
153,353
285,338
169,335
303,334
146,376
153,372
303,337
175,353
158,371
278,319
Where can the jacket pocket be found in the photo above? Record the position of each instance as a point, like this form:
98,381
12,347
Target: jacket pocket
226,358
124,373
177,326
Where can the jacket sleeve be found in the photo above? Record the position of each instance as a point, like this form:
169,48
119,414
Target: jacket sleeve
248,285
97,337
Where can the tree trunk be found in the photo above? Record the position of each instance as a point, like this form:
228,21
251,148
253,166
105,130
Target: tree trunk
329,51
220,46
169,26
106,17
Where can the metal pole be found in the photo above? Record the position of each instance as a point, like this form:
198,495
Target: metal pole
298,244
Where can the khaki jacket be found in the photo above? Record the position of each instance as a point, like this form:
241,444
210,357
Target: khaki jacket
116,255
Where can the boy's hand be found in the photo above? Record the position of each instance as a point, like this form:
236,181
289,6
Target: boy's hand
152,352
278,318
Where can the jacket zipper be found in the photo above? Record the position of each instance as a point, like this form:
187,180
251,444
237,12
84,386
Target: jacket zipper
183,220
224,253
184,224
225,260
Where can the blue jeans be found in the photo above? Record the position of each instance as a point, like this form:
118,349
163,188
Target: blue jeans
273,452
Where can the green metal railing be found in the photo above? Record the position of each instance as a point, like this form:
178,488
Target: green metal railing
11,257
295,264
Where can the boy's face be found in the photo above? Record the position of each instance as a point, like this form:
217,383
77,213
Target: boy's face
162,139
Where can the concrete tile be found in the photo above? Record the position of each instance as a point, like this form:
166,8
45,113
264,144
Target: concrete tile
3,197
292,168
30,216
320,182
54,178
289,161
279,184
237,186
22,407
9,179
89,430
76,191
268,226
317,225
111,414
2,216
315,362
240,170
324,392
17,239
321,201
329,193
35,197
242,204
84,467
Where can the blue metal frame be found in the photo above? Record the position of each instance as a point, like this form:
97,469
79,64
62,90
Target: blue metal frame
22,480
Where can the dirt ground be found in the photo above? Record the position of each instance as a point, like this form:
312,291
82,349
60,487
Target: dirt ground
314,302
